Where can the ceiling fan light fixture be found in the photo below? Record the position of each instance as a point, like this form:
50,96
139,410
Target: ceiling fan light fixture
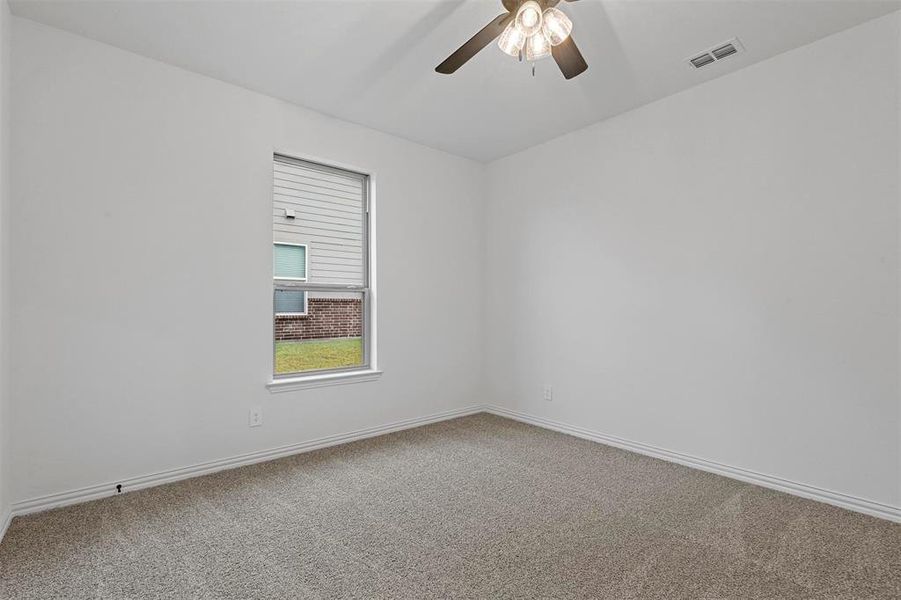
512,40
535,33
537,47
528,18
556,26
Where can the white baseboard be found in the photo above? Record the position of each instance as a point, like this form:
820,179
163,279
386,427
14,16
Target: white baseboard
876,509
131,484
869,507
5,519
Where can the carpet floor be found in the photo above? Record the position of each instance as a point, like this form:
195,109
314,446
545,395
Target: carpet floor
477,507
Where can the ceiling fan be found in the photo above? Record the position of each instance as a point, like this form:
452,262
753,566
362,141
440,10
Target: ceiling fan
530,30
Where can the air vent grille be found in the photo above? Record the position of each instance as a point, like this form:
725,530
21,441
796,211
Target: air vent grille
724,51
700,61
718,52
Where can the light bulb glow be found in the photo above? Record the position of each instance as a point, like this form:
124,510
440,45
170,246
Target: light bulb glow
528,18
512,40
537,47
556,26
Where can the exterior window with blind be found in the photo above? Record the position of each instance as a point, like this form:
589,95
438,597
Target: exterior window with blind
320,263
290,264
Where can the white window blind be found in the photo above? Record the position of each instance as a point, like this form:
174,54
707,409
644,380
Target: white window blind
289,261
290,302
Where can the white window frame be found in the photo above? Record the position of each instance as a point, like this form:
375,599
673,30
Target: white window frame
306,270
369,370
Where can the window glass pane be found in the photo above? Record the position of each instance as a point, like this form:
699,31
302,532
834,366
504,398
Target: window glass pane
330,336
323,208
290,301
289,261
320,219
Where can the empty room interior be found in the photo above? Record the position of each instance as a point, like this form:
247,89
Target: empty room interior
451,299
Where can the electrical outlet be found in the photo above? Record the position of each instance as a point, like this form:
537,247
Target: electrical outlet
256,416
548,393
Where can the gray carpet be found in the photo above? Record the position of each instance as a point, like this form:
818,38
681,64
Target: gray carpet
478,507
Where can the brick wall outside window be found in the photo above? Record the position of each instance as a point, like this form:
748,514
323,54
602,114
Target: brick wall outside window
325,318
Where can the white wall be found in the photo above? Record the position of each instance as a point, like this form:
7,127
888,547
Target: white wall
717,273
121,367
4,255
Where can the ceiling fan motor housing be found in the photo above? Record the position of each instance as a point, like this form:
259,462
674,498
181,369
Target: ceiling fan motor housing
513,5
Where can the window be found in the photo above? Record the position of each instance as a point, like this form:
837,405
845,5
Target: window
289,262
290,303
320,262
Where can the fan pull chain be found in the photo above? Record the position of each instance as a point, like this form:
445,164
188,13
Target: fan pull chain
533,69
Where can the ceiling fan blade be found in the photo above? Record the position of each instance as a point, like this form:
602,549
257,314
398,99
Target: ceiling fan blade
568,58
475,43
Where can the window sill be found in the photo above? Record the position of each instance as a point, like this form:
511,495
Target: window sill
289,384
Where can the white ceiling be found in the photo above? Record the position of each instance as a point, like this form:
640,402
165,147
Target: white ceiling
372,61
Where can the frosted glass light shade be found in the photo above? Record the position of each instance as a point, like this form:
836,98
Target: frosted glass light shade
537,46
556,26
528,18
512,40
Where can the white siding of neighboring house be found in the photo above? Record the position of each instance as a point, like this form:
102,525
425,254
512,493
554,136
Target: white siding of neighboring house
328,218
